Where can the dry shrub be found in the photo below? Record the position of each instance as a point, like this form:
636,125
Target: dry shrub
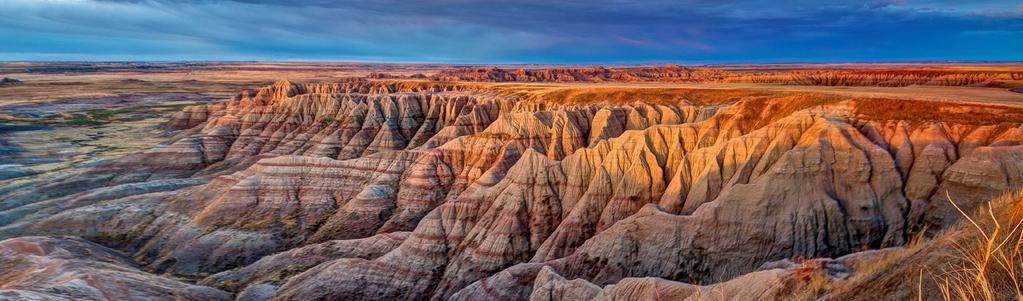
809,281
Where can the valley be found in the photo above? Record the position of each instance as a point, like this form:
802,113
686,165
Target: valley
303,181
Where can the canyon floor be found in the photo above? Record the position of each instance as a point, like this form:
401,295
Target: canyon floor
347,181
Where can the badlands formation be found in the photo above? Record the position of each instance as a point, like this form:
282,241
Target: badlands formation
425,190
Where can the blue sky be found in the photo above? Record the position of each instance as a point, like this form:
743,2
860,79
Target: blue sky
505,31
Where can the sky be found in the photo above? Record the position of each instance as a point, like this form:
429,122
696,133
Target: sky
513,31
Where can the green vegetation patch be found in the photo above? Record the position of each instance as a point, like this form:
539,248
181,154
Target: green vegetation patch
81,120
110,113
94,117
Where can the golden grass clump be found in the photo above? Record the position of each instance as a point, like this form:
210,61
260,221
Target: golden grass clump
989,262
978,259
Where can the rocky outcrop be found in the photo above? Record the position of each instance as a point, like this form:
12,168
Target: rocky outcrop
780,280
763,285
811,184
41,268
417,190
270,271
666,73
874,77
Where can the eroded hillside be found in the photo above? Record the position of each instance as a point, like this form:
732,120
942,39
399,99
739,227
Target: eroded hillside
792,74
422,190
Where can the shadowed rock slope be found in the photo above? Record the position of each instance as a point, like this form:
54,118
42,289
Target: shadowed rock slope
42,268
419,190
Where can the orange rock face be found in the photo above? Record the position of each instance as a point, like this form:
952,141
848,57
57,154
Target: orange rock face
873,76
379,190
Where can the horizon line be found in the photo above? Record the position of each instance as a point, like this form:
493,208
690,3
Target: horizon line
657,63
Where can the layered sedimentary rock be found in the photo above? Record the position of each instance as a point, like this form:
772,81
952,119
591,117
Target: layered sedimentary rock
762,285
780,280
813,183
42,268
260,279
875,77
668,73
417,190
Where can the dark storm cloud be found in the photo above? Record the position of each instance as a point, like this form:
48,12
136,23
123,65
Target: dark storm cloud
513,31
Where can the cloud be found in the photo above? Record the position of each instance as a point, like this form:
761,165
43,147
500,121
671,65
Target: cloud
509,31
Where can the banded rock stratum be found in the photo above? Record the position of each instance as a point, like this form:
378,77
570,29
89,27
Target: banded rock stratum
419,190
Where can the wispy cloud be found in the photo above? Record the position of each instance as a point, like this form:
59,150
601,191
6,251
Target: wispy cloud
511,31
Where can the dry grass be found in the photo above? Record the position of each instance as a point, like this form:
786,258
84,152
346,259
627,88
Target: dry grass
866,271
978,259
990,263
807,282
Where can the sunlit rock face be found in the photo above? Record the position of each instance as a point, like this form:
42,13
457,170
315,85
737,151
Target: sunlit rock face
416,190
